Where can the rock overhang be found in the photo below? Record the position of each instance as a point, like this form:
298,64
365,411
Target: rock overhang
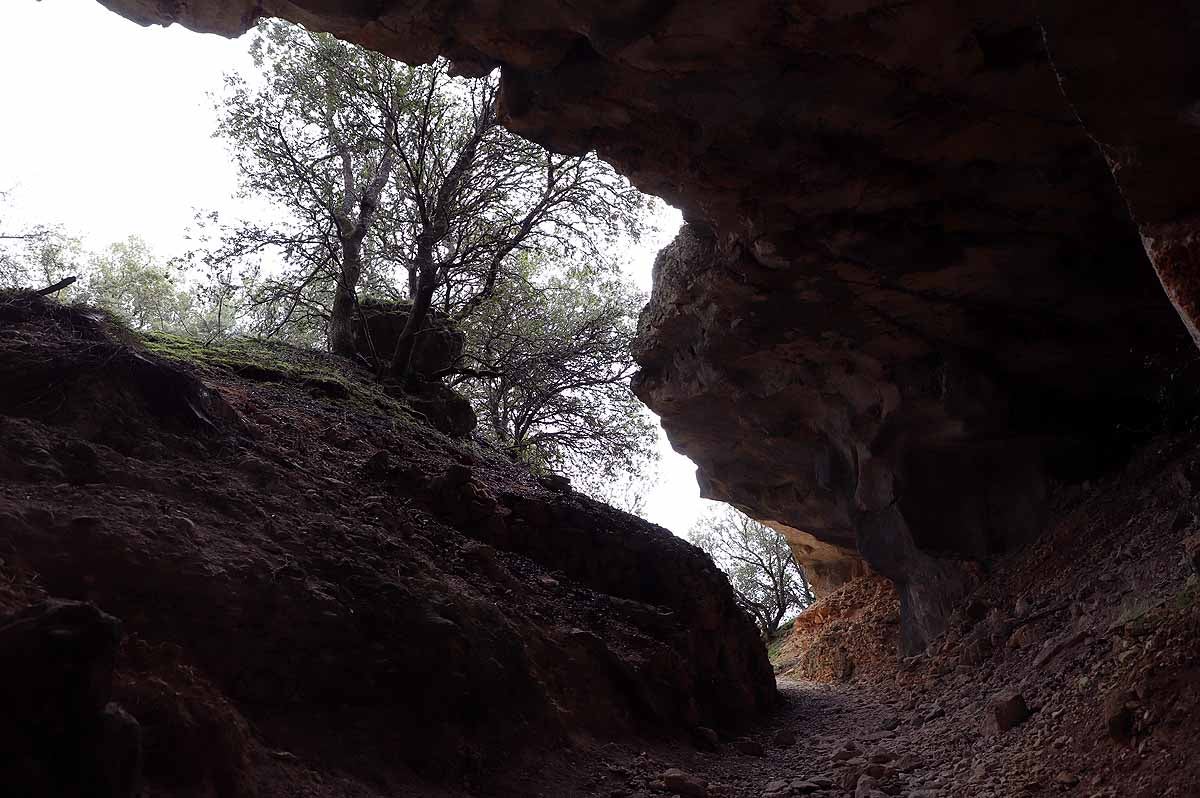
912,294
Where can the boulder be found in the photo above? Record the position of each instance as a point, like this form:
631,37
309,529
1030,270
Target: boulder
377,327
1119,717
444,408
705,739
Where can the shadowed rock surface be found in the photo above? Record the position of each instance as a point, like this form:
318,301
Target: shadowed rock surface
377,328
61,735
912,294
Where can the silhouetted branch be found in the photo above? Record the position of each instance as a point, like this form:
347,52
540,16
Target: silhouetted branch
60,285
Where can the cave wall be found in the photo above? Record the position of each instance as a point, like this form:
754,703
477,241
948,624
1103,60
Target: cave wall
1129,71
911,294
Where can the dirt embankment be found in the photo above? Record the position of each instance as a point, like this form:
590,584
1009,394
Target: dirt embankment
307,591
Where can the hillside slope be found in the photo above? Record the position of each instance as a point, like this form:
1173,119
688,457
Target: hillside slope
319,595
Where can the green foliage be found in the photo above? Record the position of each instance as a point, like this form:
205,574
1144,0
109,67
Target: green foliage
385,177
309,137
759,563
548,368
146,293
325,119
36,256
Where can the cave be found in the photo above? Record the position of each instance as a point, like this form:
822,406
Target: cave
937,268
924,243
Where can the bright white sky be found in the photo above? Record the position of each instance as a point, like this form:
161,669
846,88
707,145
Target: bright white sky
107,130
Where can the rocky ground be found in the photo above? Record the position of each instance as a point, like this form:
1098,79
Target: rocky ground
1073,670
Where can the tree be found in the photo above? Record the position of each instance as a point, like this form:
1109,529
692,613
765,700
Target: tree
548,366
147,293
382,169
34,256
314,144
759,563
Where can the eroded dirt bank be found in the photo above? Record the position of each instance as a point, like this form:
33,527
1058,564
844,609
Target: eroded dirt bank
305,590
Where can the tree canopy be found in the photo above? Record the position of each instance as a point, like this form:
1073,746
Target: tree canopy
33,256
759,563
548,368
370,178
396,180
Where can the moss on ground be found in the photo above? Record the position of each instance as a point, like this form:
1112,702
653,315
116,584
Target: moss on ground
1187,598
323,374
775,645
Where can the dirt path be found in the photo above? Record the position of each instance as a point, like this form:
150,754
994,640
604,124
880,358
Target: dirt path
926,740
823,738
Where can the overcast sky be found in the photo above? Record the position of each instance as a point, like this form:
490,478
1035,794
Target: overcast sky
107,130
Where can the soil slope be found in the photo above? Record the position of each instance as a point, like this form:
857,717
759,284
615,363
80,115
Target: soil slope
319,595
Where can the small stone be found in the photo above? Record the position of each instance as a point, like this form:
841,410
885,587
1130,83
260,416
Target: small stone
847,751
684,783
849,779
775,787
1022,637
1119,715
880,756
784,739
378,465
185,526
555,482
878,771
1066,778
749,747
867,787
705,739
1008,709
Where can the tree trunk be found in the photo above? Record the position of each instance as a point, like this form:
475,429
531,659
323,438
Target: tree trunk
422,300
345,302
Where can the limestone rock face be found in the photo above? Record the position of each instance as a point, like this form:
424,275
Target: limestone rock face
911,293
